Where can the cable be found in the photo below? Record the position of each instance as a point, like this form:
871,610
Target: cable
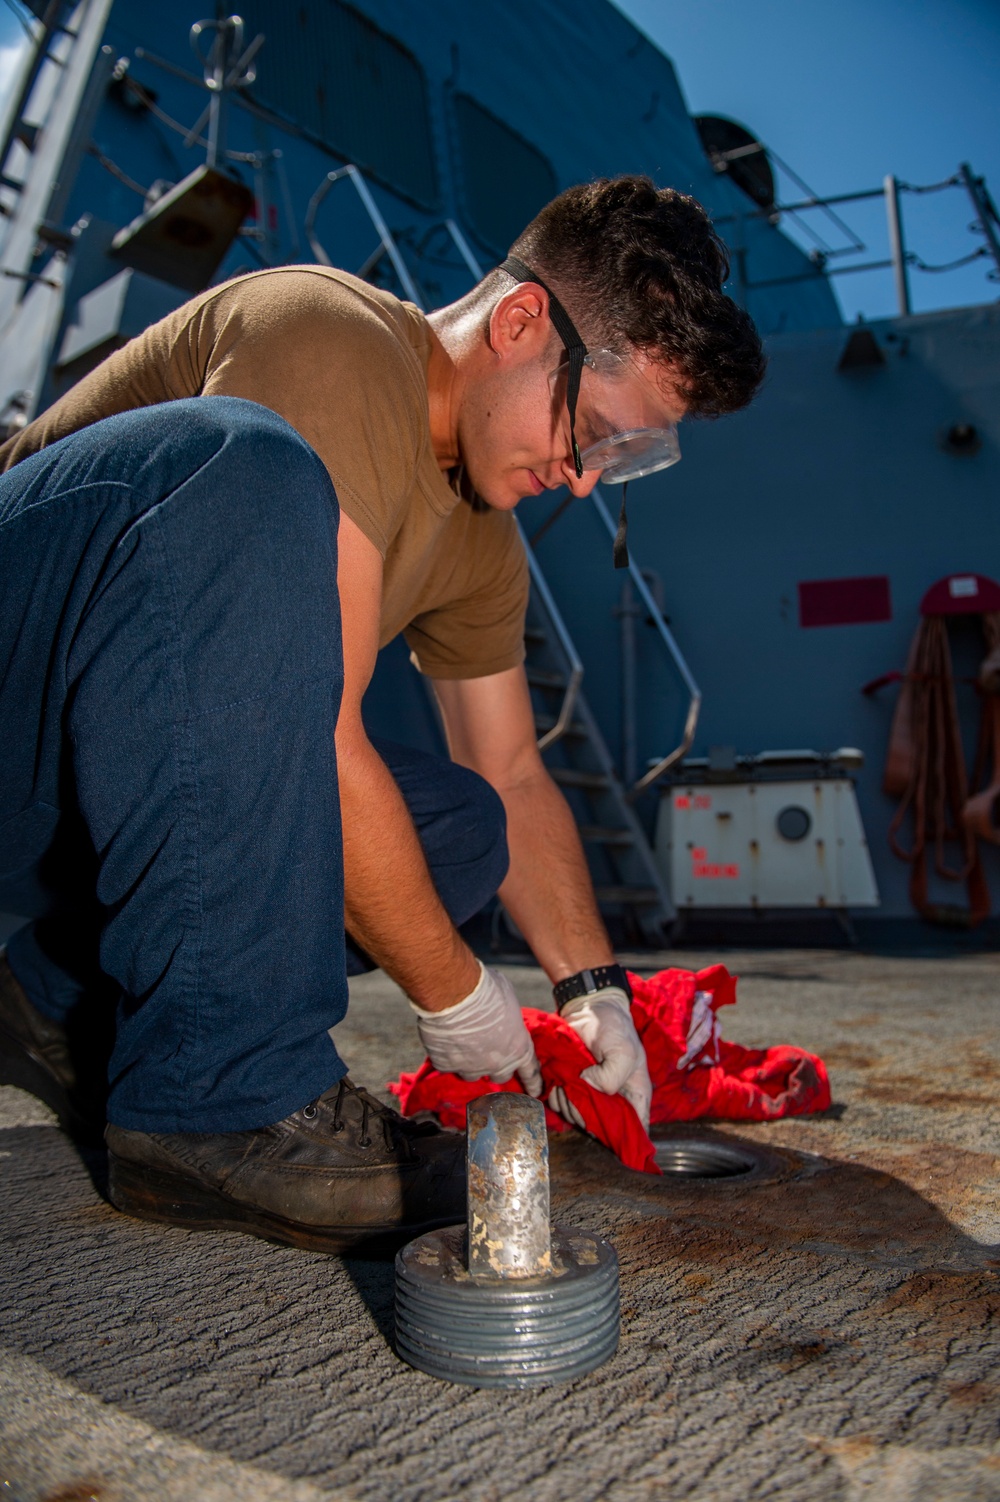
949,182
116,171
161,115
976,255
182,130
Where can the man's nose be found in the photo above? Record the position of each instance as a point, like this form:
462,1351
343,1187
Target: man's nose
582,485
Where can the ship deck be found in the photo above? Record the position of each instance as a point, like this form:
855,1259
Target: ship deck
824,1328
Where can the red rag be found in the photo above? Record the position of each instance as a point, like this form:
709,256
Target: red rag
562,1057
694,1073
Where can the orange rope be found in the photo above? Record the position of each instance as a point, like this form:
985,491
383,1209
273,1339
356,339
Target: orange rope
925,768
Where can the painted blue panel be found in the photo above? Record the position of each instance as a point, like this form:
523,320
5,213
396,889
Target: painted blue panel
504,179
351,85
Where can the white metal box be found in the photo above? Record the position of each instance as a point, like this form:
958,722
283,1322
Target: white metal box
765,844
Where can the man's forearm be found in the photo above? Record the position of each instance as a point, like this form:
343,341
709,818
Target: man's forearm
548,891
390,905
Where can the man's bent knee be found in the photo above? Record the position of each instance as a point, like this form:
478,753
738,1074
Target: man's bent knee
266,481
258,465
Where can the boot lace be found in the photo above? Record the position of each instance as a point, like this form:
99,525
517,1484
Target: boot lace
396,1132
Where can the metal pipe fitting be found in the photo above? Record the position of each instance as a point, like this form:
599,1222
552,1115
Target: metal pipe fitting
508,1148
512,1302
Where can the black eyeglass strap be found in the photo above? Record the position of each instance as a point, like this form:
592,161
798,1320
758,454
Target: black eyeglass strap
576,353
620,550
576,350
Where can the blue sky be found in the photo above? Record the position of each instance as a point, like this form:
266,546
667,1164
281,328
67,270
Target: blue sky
846,91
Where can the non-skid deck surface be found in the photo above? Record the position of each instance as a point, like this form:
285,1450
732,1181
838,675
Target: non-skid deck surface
824,1329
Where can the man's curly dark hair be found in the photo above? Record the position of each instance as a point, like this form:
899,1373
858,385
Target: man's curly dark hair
641,265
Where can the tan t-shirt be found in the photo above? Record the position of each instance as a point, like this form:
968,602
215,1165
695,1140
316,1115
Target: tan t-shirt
346,365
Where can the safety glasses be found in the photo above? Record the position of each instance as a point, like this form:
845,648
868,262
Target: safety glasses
630,455
620,432
617,427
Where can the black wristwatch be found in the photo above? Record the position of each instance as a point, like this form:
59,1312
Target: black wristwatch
585,982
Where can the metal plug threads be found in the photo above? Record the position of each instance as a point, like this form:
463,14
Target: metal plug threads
512,1301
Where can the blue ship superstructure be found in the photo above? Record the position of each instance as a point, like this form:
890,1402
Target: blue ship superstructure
778,570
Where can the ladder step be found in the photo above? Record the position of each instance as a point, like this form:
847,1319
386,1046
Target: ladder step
537,678
27,134
575,730
633,896
601,834
571,777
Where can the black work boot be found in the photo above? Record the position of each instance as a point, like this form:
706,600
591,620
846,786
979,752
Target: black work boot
341,1171
36,1055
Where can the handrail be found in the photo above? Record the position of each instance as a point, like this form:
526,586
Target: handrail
985,210
464,249
565,714
986,223
387,243
667,637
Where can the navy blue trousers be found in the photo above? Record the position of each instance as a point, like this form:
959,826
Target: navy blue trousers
170,678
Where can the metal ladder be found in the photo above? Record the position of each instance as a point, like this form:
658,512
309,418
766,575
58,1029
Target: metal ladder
627,881
64,82
44,131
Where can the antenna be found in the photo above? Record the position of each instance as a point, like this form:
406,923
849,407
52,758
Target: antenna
226,65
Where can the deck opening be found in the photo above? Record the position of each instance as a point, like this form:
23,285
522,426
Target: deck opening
702,1160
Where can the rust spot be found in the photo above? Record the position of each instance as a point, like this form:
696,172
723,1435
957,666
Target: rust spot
976,1066
975,1394
792,1357
77,1491
809,1350
845,1056
904,1091
948,1299
771,1347
856,1447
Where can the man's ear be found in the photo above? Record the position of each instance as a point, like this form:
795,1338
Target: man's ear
519,327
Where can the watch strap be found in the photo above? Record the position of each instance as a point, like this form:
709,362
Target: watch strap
586,982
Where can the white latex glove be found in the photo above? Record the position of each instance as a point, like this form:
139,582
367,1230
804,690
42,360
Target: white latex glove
604,1022
482,1035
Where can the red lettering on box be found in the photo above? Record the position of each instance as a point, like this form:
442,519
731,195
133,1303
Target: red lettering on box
702,800
699,853
682,802
711,871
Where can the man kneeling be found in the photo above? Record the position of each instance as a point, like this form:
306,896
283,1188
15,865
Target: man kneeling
204,544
